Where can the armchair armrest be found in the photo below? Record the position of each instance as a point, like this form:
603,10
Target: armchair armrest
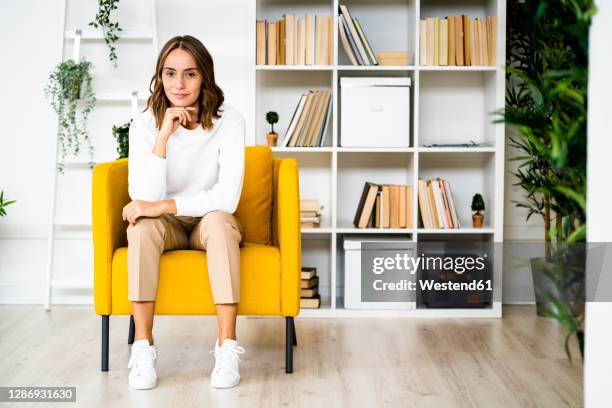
109,196
288,232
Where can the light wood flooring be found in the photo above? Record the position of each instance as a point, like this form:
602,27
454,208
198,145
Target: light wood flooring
516,361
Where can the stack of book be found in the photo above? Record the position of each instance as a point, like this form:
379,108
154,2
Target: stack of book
309,292
353,38
310,213
310,120
436,204
384,206
292,41
458,40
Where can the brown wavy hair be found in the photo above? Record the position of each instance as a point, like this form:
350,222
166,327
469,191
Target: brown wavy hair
211,96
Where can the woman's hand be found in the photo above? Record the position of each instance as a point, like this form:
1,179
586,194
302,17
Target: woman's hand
174,117
141,208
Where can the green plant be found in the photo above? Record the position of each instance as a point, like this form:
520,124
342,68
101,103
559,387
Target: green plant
70,91
121,134
272,118
546,100
110,29
478,203
3,204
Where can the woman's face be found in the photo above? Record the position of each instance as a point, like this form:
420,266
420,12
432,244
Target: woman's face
181,79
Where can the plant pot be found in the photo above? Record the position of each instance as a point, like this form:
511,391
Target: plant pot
72,88
477,220
568,290
272,137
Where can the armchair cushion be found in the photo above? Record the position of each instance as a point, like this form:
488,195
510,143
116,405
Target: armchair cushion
184,288
255,206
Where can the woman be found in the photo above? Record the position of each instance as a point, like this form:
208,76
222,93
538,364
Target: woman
185,174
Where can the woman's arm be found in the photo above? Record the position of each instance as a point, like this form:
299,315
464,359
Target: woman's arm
146,163
225,194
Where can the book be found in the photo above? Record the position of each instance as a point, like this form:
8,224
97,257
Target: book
309,283
452,60
431,40
364,40
409,207
294,119
271,44
459,40
353,32
310,303
348,49
443,58
261,42
310,205
422,42
467,28
302,120
310,39
308,272
309,293
366,205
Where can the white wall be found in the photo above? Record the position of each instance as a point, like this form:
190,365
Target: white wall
27,147
598,355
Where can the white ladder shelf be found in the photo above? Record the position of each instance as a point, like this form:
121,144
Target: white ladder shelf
131,97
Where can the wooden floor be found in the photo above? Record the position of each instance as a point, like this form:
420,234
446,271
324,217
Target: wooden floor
517,361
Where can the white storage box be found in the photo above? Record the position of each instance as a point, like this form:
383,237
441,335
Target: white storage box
375,112
353,269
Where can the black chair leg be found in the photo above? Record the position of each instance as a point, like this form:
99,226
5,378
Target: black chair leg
131,333
289,337
294,332
105,342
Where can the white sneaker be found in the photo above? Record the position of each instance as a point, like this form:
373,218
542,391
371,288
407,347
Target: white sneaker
226,373
142,362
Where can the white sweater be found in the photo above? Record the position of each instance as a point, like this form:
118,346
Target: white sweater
203,170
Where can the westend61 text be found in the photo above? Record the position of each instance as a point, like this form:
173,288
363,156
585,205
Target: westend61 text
425,284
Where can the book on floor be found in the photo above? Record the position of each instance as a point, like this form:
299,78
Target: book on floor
310,303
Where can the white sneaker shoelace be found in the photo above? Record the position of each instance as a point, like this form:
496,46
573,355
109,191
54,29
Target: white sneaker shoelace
227,358
142,360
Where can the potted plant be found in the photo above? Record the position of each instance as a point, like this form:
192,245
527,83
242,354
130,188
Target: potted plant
478,205
109,29
72,98
272,136
121,135
4,203
546,101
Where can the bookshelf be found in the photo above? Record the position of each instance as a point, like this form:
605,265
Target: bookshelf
463,96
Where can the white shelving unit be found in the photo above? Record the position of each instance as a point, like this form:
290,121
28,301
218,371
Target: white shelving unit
449,104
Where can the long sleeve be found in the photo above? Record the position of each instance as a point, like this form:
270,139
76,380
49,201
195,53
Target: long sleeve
146,170
225,193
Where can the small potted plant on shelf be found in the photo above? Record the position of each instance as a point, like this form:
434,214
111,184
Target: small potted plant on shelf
70,92
122,135
3,204
478,205
272,118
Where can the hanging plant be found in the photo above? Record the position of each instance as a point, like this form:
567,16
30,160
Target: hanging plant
110,29
121,134
70,92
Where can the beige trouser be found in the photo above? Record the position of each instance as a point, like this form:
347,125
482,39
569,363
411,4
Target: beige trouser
219,233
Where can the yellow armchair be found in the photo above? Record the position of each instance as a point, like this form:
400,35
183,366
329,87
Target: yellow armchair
269,267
